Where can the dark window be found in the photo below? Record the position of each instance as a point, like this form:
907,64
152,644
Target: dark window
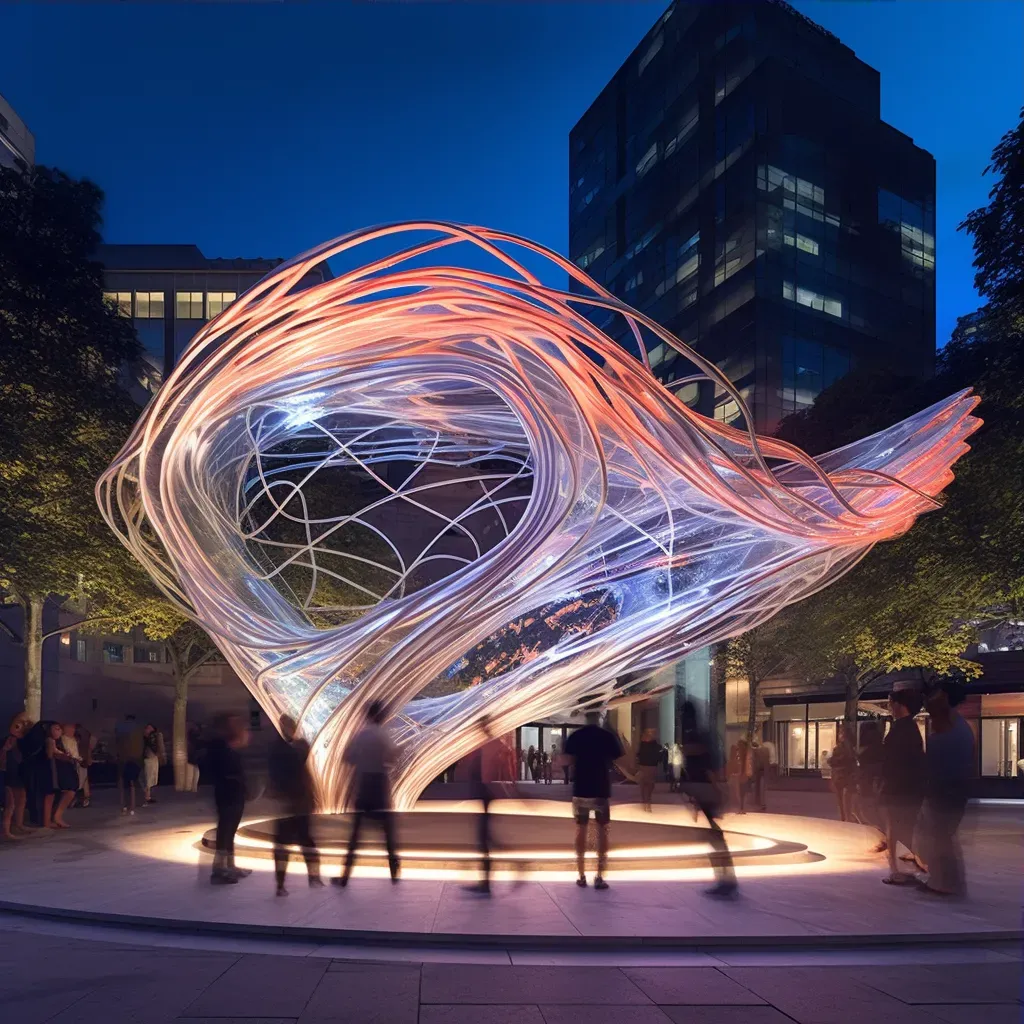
113,654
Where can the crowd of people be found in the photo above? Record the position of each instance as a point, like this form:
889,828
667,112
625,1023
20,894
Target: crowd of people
913,798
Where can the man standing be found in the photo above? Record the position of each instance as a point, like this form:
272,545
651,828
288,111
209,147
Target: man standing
229,791
703,787
128,744
903,777
371,753
592,750
292,784
950,758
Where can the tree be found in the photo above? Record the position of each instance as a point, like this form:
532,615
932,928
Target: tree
189,648
757,655
998,229
64,410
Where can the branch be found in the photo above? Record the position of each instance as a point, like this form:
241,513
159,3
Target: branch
81,622
200,663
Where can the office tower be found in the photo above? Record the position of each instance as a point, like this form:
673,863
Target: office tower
735,182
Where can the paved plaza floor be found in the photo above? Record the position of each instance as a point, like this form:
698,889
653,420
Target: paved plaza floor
114,921
148,870
56,973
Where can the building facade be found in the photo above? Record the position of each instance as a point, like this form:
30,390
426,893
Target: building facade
17,143
735,182
171,291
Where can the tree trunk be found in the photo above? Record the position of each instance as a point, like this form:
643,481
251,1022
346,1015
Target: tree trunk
752,688
34,657
852,697
179,733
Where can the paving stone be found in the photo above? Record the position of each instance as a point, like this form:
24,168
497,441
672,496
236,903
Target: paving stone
468,1014
452,983
726,1015
991,1013
604,1015
695,986
235,1020
261,986
954,983
366,994
819,995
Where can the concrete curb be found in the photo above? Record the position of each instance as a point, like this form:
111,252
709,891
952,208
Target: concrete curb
561,943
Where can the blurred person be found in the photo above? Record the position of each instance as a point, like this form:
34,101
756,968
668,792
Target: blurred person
292,783
69,741
843,765
675,763
759,767
371,753
86,749
531,762
229,792
129,748
193,742
153,755
869,782
950,759
738,773
13,781
479,789
520,764
63,779
902,777
592,750
545,765
703,787
553,760
648,757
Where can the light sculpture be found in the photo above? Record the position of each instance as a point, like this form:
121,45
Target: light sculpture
416,472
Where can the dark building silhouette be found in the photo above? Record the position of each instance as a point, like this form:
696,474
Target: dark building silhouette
734,181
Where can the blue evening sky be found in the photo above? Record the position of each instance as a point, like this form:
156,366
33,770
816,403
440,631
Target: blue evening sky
261,129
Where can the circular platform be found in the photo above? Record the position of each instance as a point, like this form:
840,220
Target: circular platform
446,841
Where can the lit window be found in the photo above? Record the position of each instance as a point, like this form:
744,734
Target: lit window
113,654
122,300
81,653
647,161
217,302
149,305
652,52
188,306
812,299
802,242
588,257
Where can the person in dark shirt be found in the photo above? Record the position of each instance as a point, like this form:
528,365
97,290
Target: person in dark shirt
228,772
292,784
951,766
479,789
702,785
592,750
869,781
902,778
648,757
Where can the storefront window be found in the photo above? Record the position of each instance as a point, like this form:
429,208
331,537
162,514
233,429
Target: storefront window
1000,746
796,746
825,745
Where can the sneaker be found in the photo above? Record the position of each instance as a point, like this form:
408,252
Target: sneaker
341,881
223,878
600,883
479,888
582,881
282,891
241,872
316,882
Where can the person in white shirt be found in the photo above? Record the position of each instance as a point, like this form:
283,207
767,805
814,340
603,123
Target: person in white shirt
371,753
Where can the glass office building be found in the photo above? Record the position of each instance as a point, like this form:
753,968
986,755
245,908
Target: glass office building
735,182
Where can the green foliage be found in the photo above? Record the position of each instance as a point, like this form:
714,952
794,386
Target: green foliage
64,411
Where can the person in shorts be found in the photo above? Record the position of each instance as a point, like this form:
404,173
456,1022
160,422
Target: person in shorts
592,750
129,747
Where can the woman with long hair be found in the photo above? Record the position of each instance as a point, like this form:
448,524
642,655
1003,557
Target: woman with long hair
844,773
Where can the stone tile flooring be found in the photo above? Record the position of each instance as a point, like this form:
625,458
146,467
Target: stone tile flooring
48,976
